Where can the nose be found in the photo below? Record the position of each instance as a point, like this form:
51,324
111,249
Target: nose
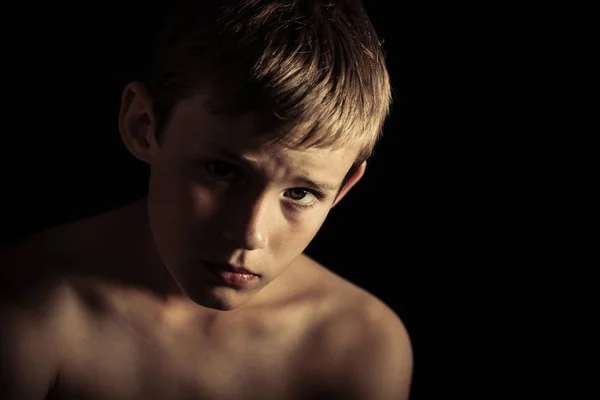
246,224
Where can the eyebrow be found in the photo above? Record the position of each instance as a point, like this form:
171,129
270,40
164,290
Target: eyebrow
323,187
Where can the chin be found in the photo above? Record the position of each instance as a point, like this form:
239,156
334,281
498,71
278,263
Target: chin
221,299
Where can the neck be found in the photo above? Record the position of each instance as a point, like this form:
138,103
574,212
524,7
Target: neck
140,264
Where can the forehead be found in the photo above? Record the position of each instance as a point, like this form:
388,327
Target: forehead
193,131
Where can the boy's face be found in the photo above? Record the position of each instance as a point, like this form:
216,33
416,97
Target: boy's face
218,194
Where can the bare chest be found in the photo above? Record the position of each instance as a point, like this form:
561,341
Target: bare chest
114,358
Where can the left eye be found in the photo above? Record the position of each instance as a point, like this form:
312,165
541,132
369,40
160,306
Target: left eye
303,196
220,169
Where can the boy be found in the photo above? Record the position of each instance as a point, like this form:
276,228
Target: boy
257,118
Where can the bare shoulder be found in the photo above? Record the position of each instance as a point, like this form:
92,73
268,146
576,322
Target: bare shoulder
48,265
35,283
32,305
360,349
27,274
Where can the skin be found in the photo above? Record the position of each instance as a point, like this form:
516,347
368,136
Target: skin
217,194
120,306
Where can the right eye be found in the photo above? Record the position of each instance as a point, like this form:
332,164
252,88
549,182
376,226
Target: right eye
221,170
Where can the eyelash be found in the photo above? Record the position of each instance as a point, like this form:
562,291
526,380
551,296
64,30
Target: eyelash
318,195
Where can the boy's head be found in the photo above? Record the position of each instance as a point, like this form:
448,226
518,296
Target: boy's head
256,120
313,70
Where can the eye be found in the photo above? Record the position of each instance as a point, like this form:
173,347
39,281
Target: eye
301,196
221,169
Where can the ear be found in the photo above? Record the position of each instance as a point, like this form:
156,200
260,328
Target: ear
360,171
137,123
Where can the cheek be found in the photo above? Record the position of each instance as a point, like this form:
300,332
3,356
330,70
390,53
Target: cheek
176,200
206,210
297,233
166,179
176,186
201,200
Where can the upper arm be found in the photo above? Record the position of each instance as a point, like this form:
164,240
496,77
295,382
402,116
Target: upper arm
28,354
377,363
381,368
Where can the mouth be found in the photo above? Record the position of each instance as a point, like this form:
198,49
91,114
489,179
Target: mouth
231,275
231,268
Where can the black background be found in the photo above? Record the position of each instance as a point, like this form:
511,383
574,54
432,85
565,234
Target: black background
435,201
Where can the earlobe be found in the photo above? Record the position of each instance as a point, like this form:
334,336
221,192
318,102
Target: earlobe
136,121
353,180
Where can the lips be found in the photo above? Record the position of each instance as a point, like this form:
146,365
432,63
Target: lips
231,268
232,276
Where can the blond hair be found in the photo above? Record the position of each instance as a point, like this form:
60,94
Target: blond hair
314,71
